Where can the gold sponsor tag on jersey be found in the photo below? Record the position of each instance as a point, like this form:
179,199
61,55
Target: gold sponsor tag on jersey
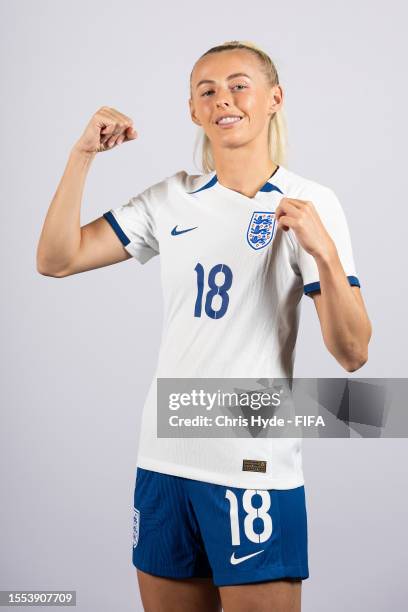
253,465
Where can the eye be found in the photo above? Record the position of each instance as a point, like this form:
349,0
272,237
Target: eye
233,87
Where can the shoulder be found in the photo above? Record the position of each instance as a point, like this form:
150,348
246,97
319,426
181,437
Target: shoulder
190,183
176,182
300,187
295,185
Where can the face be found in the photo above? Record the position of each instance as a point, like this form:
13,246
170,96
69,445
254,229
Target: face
216,92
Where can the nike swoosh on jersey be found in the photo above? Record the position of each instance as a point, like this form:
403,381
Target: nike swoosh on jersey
174,231
234,560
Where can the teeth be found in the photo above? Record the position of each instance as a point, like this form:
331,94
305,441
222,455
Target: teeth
229,119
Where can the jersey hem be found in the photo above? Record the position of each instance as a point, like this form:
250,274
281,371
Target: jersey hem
252,480
167,571
283,571
225,579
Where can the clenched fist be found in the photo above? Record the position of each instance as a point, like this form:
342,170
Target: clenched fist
106,129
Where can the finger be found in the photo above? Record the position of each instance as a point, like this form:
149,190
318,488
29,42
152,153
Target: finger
287,208
109,132
294,201
121,122
130,134
113,129
105,139
106,120
121,138
115,118
113,140
285,223
113,114
119,134
126,133
120,116
298,203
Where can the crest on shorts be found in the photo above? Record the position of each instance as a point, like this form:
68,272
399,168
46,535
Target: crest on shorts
261,229
136,525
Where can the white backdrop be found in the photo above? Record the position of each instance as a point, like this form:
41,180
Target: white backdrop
79,352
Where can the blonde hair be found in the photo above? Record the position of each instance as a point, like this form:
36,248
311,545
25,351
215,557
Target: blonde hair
277,131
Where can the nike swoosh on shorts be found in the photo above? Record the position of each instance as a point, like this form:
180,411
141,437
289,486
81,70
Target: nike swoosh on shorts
234,560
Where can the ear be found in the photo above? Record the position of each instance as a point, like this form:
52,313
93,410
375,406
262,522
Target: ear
192,112
275,99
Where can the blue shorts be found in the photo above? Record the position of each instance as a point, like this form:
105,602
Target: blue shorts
184,528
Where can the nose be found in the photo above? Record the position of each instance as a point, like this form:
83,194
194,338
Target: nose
223,98
222,103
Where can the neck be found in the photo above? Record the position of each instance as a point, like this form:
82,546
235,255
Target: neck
245,173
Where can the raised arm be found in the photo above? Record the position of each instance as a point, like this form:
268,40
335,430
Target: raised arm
64,246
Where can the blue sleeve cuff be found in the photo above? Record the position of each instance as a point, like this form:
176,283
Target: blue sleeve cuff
116,228
310,287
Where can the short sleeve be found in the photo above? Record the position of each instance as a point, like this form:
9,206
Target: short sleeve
134,223
332,215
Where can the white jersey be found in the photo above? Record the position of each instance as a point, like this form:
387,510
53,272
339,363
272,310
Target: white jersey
247,327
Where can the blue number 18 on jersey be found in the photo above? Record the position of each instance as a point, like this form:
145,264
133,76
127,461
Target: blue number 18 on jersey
214,289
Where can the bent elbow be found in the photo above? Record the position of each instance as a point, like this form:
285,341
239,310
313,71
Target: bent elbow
44,271
356,362
353,358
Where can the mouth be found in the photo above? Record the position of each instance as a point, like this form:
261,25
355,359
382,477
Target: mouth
229,122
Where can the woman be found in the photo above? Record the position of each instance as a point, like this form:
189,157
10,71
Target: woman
221,521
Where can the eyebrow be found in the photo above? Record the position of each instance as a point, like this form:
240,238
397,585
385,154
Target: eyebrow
231,76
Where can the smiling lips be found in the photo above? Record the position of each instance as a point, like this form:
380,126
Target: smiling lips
228,121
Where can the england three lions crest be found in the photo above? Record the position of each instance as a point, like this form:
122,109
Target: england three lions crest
261,229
